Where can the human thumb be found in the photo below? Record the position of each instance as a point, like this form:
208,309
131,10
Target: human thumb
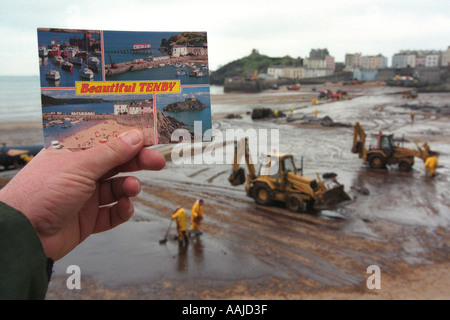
102,158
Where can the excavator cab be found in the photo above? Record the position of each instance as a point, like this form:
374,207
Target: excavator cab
275,165
288,164
384,142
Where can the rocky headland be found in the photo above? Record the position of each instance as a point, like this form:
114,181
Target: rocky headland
190,104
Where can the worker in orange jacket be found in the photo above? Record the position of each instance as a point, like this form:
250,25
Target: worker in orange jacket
180,216
430,165
197,216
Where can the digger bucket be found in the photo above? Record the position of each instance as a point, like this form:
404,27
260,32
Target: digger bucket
334,196
237,177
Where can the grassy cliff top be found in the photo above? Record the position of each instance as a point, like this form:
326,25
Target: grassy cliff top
245,67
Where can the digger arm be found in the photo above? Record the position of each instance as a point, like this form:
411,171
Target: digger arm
250,165
255,75
359,141
422,153
237,175
235,160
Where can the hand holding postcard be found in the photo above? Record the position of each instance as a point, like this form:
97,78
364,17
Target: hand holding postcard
96,85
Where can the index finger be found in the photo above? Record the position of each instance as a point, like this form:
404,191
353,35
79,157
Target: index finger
146,159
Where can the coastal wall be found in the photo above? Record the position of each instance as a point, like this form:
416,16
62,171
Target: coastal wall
124,67
431,76
249,86
385,74
242,85
336,77
426,77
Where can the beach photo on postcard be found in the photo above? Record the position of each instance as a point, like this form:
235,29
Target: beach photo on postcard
131,55
67,56
72,122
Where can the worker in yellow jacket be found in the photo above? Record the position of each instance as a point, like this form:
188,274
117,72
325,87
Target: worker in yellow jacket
180,217
430,165
197,216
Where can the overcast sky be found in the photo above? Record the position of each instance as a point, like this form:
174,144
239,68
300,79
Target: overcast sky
276,27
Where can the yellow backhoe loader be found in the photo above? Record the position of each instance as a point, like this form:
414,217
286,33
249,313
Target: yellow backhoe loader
410,94
278,179
382,150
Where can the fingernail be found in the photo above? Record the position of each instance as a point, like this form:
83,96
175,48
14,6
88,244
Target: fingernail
132,137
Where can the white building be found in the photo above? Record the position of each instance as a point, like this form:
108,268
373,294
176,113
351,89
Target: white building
330,63
411,60
141,109
432,60
353,61
298,72
198,51
179,50
314,63
120,108
275,71
421,58
399,61
445,61
294,72
404,61
373,62
315,72
135,107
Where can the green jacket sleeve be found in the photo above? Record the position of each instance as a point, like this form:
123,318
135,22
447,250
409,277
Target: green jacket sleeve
24,268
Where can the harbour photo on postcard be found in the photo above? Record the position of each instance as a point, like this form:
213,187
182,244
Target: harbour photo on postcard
67,56
156,55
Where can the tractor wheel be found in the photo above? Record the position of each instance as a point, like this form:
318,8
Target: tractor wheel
295,203
377,161
404,166
261,194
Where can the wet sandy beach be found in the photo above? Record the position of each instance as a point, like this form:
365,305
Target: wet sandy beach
102,133
248,251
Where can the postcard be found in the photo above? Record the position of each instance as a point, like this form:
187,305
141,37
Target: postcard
98,84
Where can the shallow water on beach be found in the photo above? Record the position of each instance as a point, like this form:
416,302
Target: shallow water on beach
403,221
66,129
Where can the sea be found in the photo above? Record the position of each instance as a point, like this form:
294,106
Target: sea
20,101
